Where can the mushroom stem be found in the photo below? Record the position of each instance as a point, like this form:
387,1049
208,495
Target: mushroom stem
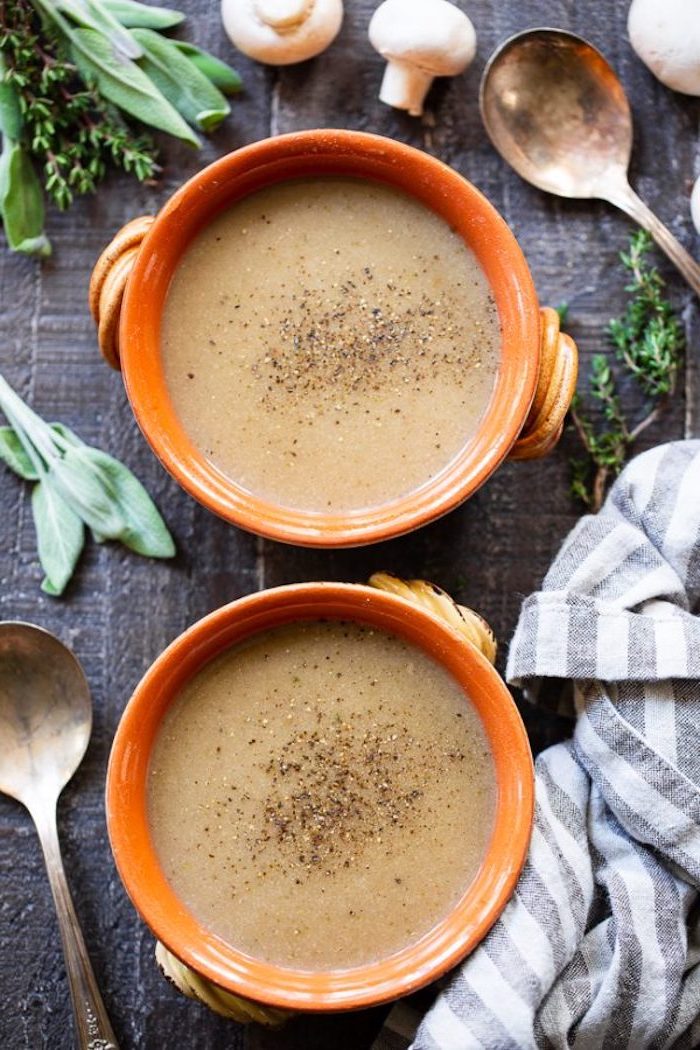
405,86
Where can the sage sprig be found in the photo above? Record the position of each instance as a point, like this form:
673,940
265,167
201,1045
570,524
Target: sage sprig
80,82
75,485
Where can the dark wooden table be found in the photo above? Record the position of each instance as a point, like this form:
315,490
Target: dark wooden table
121,610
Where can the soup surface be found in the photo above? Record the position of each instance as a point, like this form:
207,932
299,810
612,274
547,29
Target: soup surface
321,795
329,344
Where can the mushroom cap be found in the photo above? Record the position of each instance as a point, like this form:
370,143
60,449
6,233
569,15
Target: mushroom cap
433,35
281,32
695,205
666,36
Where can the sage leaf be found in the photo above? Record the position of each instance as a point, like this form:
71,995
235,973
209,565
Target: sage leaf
88,492
10,112
142,16
144,530
13,454
221,75
60,536
189,90
89,15
75,485
124,84
21,202
63,431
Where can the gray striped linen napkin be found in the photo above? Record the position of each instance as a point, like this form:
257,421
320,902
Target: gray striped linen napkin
600,945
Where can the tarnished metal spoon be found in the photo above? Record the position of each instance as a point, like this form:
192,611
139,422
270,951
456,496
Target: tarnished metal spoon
45,723
555,110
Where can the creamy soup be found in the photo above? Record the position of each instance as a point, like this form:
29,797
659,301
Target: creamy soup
321,795
329,344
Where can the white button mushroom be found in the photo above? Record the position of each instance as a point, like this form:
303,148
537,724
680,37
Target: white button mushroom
420,39
666,36
695,205
280,32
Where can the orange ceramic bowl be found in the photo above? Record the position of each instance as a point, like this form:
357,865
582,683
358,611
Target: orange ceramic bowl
199,948
307,154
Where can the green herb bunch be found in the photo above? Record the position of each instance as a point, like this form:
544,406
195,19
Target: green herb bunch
75,485
649,342
79,82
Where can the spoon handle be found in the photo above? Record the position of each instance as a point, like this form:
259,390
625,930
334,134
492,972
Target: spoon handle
94,1031
622,195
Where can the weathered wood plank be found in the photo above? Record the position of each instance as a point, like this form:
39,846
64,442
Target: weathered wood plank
121,611
119,614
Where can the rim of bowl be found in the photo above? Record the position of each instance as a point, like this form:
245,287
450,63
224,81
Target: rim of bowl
361,986
308,154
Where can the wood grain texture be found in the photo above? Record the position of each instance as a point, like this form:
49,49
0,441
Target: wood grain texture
121,611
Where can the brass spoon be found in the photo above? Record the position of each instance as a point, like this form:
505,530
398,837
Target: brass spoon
555,110
45,723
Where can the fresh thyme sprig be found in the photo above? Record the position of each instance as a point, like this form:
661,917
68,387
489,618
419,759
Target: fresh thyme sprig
649,343
648,337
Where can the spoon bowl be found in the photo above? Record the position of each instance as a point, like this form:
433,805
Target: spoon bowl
45,723
555,110
45,712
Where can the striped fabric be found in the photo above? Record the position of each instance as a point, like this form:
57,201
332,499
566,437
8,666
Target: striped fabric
600,946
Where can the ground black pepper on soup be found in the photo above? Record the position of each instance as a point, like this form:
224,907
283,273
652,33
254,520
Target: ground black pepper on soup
321,795
329,344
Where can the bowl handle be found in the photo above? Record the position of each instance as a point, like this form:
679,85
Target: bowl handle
421,592
224,1003
108,282
555,389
